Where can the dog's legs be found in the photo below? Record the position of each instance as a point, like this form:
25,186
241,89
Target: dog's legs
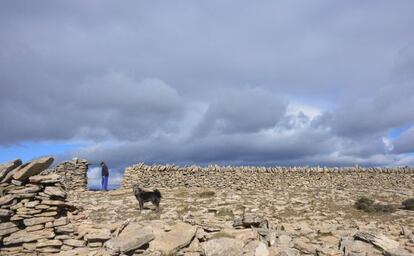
141,205
157,205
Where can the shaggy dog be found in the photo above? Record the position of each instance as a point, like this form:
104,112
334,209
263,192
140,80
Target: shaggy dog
147,196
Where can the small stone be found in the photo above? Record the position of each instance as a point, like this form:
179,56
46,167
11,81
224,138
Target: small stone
23,236
97,235
55,191
6,199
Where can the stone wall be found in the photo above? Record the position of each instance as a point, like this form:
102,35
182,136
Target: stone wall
74,174
34,214
248,177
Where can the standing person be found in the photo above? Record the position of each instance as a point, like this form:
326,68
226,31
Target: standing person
105,176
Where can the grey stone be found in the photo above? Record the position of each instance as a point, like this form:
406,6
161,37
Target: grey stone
180,236
131,238
223,246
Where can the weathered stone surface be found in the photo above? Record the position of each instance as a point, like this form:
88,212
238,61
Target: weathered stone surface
223,246
26,190
24,237
55,191
7,167
97,235
255,248
6,199
379,240
131,238
7,228
61,221
5,213
36,221
33,168
50,178
74,242
170,242
69,228
47,243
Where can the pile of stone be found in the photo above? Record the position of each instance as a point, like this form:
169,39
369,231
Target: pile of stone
253,177
34,214
73,174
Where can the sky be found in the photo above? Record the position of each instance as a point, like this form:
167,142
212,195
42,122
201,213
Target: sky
327,83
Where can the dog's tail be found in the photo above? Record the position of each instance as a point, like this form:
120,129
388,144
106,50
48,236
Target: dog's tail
157,192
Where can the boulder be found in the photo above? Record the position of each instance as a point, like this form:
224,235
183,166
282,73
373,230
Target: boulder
131,238
170,242
223,246
33,168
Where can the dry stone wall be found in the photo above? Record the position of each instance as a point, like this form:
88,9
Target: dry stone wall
34,213
248,177
73,174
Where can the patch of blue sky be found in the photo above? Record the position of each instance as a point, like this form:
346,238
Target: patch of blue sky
29,150
396,132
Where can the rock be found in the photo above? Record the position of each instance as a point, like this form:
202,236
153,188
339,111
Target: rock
304,247
98,235
8,228
26,190
50,178
61,222
36,221
33,168
223,246
7,167
23,236
250,220
35,227
397,252
379,240
255,248
170,242
351,247
53,202
55,191
74,242
6,199
47,243
131,238
5,213
69,228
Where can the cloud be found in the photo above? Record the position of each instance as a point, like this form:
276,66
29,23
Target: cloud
196,82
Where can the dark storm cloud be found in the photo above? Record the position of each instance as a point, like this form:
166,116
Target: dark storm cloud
291,82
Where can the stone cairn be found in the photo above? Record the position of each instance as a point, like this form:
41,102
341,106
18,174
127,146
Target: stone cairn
251,177
34,214
73,174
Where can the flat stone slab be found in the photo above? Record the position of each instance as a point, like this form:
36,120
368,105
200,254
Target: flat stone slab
131,238
33,168
24,237
180,236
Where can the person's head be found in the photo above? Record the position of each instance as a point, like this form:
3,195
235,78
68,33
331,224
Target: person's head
102,163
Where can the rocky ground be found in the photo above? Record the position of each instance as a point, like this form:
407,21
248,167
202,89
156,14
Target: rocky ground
218,212
312,220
